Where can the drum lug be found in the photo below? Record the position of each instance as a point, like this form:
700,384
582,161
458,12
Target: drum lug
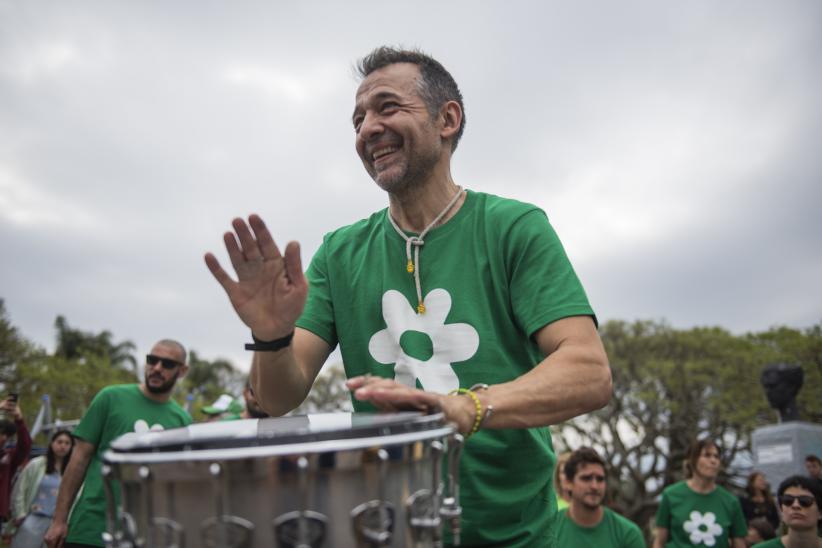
167,533
451,510
298,529
226,532
302,528
373,523
424,521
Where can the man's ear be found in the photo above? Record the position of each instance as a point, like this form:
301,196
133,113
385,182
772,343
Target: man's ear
451,119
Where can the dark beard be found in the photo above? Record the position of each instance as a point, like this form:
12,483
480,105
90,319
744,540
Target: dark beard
164,388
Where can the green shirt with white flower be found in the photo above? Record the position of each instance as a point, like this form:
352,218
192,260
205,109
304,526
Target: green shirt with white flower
490,277
114,411
700,519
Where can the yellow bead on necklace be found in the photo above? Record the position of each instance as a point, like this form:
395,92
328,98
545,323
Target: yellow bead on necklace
417,242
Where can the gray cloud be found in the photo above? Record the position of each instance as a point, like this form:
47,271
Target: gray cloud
673,147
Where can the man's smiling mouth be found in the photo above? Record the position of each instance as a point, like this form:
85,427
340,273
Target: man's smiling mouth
383,151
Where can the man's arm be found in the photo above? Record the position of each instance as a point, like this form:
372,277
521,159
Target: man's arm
73,478
660,537
574,378
281,380
23,447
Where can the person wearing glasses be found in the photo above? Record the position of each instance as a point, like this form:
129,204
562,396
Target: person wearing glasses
587,523
114,411
800,500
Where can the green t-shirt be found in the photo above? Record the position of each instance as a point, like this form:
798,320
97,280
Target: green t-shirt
492,276
614,531
696,519
115,410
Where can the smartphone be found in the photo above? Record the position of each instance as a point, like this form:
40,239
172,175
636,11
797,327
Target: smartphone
12,397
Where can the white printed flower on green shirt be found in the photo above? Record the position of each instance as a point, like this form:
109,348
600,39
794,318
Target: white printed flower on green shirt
422,346
703,528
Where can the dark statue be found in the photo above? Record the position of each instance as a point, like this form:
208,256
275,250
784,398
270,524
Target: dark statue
782,382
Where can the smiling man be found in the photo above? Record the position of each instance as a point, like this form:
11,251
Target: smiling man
115,410
586,523
448,299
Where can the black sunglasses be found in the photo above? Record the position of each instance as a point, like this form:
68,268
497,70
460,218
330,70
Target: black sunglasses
168,363
805,501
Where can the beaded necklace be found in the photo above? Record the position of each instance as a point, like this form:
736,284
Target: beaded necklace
417,242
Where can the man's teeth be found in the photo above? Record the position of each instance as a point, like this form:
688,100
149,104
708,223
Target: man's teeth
382,152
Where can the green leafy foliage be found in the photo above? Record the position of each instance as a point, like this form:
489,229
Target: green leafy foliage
328,394
84,362
207,380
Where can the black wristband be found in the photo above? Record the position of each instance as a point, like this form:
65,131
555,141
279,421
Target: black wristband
269,346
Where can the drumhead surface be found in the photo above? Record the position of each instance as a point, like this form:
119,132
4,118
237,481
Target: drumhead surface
318,432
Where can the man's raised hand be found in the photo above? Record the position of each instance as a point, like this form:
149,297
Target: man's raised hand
270,291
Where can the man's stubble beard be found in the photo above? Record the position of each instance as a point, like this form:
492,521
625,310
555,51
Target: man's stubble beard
164,388
415,170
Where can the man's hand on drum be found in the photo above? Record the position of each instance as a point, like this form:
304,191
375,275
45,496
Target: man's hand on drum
271,289
390,396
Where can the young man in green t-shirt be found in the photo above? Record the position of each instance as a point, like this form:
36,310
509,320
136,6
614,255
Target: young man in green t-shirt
587,523
115,410
444,290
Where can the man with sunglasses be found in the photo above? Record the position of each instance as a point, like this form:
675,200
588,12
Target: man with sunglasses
115,410
587,523
800,501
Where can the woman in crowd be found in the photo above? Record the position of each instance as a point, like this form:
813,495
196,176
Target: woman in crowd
697,511
800,500
758,501
35,492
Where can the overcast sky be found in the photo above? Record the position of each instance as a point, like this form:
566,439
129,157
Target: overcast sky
676,147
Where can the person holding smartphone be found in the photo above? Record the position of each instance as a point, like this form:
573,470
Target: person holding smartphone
13,456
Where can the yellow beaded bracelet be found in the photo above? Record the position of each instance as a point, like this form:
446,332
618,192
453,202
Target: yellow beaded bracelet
477,404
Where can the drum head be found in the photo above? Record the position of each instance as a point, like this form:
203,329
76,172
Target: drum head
319,432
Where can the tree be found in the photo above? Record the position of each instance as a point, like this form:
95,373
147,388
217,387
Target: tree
328,394
13,348
74,344
207,380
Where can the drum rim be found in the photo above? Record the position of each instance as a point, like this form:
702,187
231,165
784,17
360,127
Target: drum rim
313,447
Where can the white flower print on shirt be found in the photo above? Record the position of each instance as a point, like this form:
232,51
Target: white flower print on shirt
141,427
451,343
703,528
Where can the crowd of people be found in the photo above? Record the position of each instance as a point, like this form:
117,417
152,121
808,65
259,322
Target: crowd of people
43,502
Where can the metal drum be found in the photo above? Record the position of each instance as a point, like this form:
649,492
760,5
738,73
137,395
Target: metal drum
333,480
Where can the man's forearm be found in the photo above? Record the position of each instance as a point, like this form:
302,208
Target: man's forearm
570,382
278,382
282,379
69,485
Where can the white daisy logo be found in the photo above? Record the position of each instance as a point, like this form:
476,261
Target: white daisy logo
141,427
703,528
436,345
